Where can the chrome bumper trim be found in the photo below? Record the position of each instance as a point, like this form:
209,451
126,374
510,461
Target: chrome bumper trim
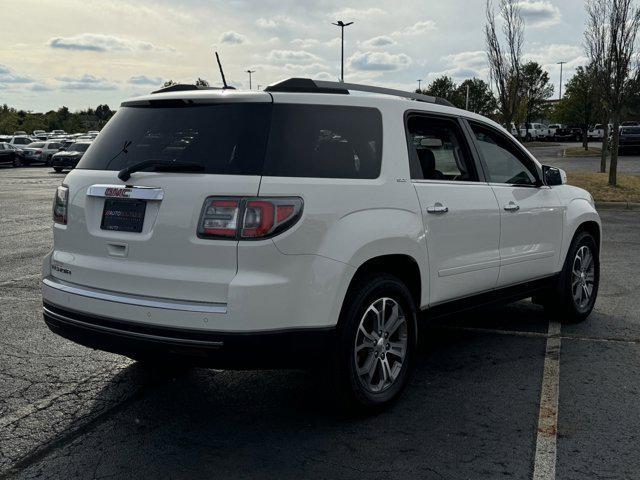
109,296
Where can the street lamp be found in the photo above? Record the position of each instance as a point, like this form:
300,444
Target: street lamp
250,72
341,24
419,82
560,93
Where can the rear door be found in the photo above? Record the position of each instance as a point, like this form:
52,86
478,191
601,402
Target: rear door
459,209
142,236
531,213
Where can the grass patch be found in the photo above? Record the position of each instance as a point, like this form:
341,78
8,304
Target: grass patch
581,152
628,189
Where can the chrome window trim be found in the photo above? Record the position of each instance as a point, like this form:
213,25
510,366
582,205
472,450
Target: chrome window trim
448,182
135,192
106,295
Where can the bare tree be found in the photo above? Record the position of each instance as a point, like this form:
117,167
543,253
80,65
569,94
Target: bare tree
505,62
610,41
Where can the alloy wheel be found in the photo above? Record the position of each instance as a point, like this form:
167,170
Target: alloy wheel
381,344
583,277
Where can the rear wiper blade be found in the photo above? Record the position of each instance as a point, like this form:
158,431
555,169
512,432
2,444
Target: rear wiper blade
159,165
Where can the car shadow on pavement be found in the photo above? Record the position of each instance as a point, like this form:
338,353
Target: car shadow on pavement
470,410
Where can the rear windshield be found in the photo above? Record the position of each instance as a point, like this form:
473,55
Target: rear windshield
630,130
286,140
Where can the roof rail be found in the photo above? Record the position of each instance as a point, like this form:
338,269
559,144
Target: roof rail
307,85
180,87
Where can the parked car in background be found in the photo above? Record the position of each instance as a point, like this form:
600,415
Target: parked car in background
630,123
596,132
41,152
534,131
629,140
20,141
58,132
552,129
568,134
93,132
20,133
10,154
69,158
37,133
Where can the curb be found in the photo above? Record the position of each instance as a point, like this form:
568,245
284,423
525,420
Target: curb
618,205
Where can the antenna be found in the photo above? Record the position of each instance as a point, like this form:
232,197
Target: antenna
224,80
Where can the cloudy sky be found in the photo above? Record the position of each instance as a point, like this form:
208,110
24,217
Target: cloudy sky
82,53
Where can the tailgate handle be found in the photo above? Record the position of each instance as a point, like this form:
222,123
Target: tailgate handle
117,249
129,191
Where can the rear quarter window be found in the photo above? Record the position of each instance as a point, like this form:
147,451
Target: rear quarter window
324,141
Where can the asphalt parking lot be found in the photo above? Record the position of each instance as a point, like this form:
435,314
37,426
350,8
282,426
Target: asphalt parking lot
552,154
471,411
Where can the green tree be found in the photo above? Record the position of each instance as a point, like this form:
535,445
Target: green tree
442,87
581,103
535,90
481,98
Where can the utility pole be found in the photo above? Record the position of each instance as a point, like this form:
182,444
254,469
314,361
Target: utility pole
341,24
560,93
419,82
466,103
250,72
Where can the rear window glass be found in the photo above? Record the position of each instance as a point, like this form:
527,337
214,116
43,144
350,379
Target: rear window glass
224,138
287,140
324,141
35,145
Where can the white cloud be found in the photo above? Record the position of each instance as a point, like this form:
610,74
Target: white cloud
380,41
473,59
275,22
8,75
292,56
350,14
378,61
539,13
85,82
232,38
421,27
554,53
144,80
96,42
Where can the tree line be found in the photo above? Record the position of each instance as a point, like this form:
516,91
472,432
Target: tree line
12,119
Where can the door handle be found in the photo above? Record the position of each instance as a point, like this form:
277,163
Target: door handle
437,208
511,207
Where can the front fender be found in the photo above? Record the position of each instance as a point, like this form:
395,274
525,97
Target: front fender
578,211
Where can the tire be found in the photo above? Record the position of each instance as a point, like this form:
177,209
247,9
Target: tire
57,169
527,137
354,350
48,161
567,302
16,162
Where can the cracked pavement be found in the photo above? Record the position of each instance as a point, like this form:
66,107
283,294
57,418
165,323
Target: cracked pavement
470,411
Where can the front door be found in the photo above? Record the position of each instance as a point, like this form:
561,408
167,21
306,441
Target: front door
530,212
459,210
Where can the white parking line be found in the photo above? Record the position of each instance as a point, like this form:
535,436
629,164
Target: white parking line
544,467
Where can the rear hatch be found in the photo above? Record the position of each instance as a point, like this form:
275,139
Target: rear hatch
140,236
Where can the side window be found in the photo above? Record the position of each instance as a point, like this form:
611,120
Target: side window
438,150
505,162
324,141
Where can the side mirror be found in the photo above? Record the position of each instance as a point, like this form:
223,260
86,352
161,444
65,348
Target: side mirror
553,176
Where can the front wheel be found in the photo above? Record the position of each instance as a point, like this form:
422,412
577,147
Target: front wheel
375,344
575,295
16,162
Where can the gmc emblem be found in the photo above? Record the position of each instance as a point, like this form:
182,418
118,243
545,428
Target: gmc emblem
117,192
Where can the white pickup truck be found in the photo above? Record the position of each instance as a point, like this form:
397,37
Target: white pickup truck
596,132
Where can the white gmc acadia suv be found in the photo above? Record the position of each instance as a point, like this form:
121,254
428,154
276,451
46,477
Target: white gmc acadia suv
306,224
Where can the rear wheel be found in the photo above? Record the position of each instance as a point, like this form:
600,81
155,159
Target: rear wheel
57,169
375,344
573,299
16,162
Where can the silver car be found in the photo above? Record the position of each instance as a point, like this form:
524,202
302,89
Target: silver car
41,152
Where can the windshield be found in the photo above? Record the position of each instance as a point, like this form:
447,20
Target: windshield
630,131
78,147
225,138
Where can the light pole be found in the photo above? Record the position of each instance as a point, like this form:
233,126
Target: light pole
419,82
341,24
250,72
560,93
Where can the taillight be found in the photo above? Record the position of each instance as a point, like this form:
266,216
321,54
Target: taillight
38,152
60,203
248,218
219,218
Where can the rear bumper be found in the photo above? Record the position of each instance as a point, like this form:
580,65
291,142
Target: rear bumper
247,350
